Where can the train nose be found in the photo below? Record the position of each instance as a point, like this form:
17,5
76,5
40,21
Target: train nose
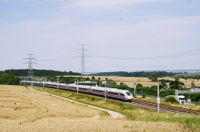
130,97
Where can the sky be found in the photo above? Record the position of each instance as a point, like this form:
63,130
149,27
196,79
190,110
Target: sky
119,35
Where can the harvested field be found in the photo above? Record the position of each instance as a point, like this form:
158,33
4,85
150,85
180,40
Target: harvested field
144,80
24,110
126,80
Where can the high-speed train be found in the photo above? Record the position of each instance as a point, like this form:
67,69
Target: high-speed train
113,93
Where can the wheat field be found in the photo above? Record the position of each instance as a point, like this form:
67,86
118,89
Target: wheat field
24,110
144,80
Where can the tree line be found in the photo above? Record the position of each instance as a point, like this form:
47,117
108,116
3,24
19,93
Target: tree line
8,79
40,73
11,77
137,74
189,76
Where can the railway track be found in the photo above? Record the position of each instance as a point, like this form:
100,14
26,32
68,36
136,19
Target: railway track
163,107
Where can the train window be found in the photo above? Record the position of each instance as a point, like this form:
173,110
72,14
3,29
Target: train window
128,93
97,91
83,89
121,94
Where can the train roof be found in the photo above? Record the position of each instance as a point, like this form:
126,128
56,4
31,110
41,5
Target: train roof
86,87
54,83
100,88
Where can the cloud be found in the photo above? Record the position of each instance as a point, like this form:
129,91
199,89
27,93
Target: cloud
109,4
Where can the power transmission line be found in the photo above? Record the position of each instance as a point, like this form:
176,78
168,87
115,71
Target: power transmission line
166,56
179,63
178,55
83,57
30,62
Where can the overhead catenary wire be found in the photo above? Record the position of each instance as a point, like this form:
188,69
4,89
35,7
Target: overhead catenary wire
180,59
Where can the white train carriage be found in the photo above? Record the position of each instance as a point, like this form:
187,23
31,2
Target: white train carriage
94,90
102,91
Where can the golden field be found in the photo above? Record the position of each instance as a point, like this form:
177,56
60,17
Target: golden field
24,110
144,80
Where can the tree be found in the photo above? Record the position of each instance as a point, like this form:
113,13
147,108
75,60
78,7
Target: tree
106,79
122,86
111,83
9,79
171,99
139,85
99,82
143,94
177,84
93,78
193,84
153,78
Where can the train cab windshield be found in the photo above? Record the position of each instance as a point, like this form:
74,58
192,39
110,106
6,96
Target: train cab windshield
128,93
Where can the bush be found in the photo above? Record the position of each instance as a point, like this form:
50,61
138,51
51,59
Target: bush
152,91
193,96
171,99
143,94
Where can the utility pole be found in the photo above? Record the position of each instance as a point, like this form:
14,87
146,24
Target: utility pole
77,88
158,93
105,90
30,62
158,97
57,82
105,93
135,89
